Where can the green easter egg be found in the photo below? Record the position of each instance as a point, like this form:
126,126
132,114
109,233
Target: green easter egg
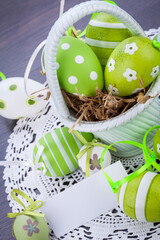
140,197
78,67
134,58
156,143
60,151
30,227
104,33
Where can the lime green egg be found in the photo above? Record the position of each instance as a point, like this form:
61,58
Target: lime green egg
104,33
140,197
78,67
30,227
156,143
133,59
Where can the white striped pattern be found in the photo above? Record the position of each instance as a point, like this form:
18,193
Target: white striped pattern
121,195
47,163
141,196
68,144
102,44
63,152
53,156
107,25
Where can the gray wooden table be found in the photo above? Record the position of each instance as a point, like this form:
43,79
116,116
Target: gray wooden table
23,25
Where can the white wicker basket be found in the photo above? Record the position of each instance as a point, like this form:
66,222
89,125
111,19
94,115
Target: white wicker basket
130,125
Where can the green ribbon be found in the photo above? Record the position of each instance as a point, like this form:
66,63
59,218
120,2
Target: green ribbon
156,44
149,157
88,148
2,76
34,205
84,32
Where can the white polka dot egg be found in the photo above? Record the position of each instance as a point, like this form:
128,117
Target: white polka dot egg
78,67
14,102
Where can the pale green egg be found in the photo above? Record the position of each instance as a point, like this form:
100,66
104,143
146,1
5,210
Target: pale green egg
78,67
134,58
30,227
104,33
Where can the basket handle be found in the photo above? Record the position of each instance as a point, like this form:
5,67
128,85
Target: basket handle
57,31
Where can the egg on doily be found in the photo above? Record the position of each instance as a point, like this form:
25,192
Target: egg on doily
139,198
133,59
55,153
94,163
30,227
14,102
104,32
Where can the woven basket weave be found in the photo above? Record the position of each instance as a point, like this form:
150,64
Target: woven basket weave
132,124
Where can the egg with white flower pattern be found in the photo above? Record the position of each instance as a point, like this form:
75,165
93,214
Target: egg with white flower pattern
156,143
78,67
30,227
132,59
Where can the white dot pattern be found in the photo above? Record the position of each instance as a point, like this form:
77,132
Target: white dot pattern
72,80
79,59
93,75
65,46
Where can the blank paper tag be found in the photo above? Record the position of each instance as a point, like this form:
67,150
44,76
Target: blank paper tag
83,201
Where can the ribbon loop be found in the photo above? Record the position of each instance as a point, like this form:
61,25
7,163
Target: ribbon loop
88,148
34,205
149,157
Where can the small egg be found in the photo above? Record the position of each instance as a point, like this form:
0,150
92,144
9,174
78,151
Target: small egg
94,163
30,227
132,59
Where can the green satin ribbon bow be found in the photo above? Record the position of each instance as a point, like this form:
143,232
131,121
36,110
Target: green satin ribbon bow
34,205
88,148
84,32
149,157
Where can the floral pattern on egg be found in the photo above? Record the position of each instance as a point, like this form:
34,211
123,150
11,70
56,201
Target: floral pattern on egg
131,48
111,64
79,67
114,90
130,74
155,71
134,58
137,90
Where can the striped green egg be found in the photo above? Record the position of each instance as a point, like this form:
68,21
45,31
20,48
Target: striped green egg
140,197
104,33
59,152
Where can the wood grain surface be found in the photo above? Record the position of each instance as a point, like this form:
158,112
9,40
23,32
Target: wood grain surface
23,25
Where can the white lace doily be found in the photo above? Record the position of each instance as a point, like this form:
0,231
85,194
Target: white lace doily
112,225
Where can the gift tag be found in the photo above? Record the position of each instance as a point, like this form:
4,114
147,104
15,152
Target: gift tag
83,201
